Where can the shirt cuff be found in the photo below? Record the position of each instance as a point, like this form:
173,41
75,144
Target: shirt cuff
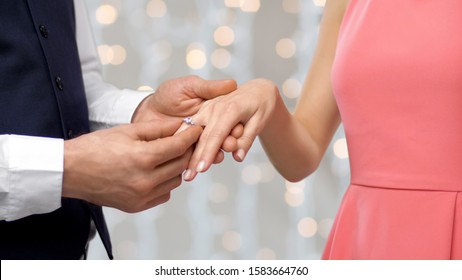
126,105
31,175
116,108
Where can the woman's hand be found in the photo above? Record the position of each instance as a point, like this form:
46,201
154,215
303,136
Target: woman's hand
181,97
232,122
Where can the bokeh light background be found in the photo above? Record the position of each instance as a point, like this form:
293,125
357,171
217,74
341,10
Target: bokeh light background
236,210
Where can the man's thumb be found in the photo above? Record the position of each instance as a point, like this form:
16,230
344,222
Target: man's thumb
213,88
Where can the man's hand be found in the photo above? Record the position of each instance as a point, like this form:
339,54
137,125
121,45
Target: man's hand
180,98
131,167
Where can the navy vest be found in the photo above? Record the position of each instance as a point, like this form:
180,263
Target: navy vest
42,94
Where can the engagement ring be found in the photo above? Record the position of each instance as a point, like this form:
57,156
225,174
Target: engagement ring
188,121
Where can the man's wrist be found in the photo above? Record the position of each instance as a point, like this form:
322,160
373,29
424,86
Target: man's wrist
147,111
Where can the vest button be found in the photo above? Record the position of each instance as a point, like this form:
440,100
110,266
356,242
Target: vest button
43,31
59,83
70,134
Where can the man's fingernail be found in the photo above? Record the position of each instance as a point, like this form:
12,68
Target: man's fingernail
241,154
201,166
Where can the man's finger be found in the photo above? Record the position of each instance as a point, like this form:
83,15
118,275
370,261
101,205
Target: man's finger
148,131
168,148
207,89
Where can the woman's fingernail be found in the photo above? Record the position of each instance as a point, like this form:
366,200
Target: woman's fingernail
240,154
200,166
188,175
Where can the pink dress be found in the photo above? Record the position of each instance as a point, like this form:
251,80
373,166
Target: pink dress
397,79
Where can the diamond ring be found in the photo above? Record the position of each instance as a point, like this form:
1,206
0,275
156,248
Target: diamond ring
188,121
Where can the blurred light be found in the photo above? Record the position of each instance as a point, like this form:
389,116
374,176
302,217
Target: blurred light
106,14
291,88
340,148
232,241
224,36
156,8
195,57
286,48
307,227
266,254
250,6
105,54
324,227
295,188
319,3
127,250
251,174
294,199
291,6
114,55
221,58
119,55
145,88
218,193
233,3
268,172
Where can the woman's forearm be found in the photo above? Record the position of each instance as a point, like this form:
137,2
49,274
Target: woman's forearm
289,145
295,143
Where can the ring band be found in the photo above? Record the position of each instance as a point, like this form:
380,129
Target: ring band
188,121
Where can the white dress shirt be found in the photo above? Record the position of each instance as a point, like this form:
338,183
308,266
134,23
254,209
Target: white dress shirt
31,168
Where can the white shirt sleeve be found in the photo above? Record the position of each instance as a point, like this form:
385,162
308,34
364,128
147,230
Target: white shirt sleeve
31,168
31,174
107,105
